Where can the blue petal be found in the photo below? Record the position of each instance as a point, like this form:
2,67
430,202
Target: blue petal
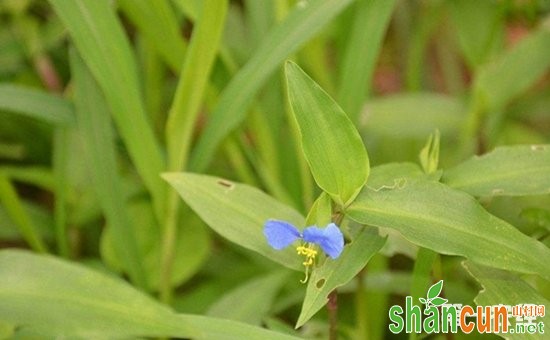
329,239
280,234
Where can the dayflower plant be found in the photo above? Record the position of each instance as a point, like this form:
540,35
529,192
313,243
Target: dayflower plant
281,234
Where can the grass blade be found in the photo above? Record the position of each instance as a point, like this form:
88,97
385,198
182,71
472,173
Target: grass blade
156,19
37,104
299,26
95,125
100,39
369,26
14,208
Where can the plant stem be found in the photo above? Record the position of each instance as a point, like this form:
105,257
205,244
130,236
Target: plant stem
332,307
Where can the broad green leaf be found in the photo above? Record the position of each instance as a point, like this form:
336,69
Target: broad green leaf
99,37
214,328
504,288
413,115
64,299
335,273
156,19
192,244
514,71
37,104
370,22
238,212
331,144
94,123
435,289
506,171
392,175
479,26
250,302
55,298
451,222
193,81
306,20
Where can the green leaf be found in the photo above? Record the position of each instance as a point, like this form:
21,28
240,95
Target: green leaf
100,40
392,175
306,20
479,26
370,22
57,298
439,301
504,288
60,298
238,212
422,300
515,71
191,249
413,115
37,104
193,81
320,213
94,123
251,301
506,171
335,273
331,144
16,211
451,222
434,290
156,19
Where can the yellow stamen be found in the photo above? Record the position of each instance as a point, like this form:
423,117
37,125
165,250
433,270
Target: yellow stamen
309,252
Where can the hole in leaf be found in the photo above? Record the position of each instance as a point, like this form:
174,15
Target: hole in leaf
320,283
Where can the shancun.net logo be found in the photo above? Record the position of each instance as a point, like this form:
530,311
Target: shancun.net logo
440,317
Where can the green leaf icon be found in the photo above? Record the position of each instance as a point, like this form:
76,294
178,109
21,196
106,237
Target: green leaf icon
435,290
422,300
439,301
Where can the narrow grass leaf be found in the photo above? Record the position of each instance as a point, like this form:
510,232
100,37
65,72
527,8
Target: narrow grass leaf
335,273
15,210
331,144
251,301
100,153
99,37
157,21
506,171
371,19
306,20
194,77
504,288
413,115
451,222
501,80
61,170
238,212
479,26
37,104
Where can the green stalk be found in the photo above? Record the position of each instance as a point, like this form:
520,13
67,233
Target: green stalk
182,117
60,155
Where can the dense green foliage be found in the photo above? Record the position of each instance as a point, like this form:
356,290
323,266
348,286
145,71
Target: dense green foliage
145,143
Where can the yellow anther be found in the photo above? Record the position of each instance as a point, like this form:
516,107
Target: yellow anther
309,252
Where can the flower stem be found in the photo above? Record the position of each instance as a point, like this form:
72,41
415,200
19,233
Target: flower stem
332,307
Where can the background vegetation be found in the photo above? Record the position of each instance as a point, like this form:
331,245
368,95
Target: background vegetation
99,98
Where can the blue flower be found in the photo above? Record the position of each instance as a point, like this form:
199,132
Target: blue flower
281,234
